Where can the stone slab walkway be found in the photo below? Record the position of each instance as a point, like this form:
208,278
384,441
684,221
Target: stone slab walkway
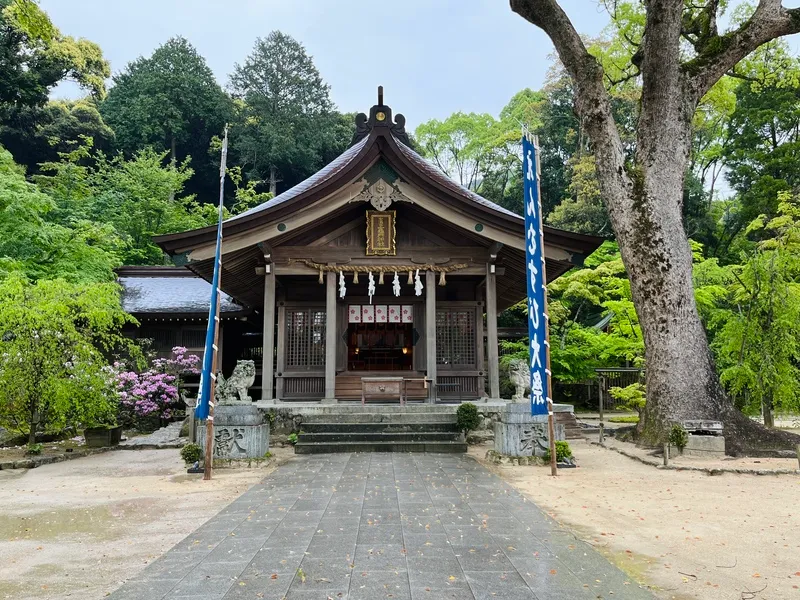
373,526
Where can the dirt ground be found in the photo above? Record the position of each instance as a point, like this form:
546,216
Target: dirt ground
78,529
687,534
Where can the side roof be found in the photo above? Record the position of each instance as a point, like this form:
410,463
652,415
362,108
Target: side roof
169,291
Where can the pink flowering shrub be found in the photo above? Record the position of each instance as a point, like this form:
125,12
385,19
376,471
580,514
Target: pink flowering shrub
154,394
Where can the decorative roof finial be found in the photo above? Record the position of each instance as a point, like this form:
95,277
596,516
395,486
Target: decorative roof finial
380,95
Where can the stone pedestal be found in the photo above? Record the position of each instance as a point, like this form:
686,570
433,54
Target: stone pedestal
708,446
518,433
240,431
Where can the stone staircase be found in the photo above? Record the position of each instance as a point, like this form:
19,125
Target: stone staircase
398,430
572,429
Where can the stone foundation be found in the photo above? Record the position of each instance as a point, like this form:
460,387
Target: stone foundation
240,431
708,446
518,433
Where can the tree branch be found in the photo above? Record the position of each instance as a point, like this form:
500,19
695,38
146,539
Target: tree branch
721,53
592,102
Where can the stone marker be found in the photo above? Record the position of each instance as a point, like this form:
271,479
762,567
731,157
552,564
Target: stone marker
240,431
518,433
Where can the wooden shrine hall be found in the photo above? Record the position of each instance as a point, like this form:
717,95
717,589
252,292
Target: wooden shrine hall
377,267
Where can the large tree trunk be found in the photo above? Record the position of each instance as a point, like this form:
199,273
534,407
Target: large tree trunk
645,205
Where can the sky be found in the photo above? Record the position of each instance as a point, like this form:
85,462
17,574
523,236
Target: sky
433,57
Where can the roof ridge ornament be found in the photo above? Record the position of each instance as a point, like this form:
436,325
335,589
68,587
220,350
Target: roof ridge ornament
380,117
380,194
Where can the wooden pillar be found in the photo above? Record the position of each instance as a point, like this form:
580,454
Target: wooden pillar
268,364
330,337
430,331
491,333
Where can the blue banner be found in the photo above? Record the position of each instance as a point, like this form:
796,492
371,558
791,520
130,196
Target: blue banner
534,259
204,399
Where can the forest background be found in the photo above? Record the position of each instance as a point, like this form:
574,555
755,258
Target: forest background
85,184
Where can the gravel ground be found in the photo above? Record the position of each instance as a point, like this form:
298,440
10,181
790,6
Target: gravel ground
77,529
690,535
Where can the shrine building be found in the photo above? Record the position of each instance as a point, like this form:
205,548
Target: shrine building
378,265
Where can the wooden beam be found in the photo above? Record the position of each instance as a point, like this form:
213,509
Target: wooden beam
491,333
330,338
267,367
332,235
430,330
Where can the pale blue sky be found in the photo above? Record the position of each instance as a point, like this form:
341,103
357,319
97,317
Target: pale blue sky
433,57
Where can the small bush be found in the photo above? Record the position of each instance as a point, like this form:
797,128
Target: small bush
563,451
35,449
467,417
191,453
628,419
632,397
678,437
292,438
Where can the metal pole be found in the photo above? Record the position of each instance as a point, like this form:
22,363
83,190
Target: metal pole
551,427
208,458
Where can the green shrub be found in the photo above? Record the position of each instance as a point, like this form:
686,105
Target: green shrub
467,417
292,438
632,397
191,453
563,451
678,437
35,448
627,419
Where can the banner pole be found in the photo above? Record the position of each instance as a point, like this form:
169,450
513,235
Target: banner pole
216,299
551,427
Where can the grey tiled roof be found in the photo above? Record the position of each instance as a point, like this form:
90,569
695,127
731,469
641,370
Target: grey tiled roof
428,167
316,179
173,295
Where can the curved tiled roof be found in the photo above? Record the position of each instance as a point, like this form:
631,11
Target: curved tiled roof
318,178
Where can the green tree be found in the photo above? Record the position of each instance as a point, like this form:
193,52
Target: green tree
30,243
759,344
39,134
681,55
286,125
171,102
53,372
762,151
35,56
141,197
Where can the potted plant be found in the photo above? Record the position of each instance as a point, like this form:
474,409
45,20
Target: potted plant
103,435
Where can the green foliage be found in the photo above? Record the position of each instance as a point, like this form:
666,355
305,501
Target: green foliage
170,100
632,397
755,316
678,437
53,336
563,452
285,126
34,449
35,57
579,301
626,419
30,244
141,198
467,417
292,438
191,453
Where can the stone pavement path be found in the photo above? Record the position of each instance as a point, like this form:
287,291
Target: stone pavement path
373,526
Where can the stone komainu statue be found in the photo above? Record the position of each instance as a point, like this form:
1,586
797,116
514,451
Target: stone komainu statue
234,389
520,375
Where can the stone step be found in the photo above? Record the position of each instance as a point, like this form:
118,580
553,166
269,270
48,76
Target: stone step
390,427
380,417
385,446
397,437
